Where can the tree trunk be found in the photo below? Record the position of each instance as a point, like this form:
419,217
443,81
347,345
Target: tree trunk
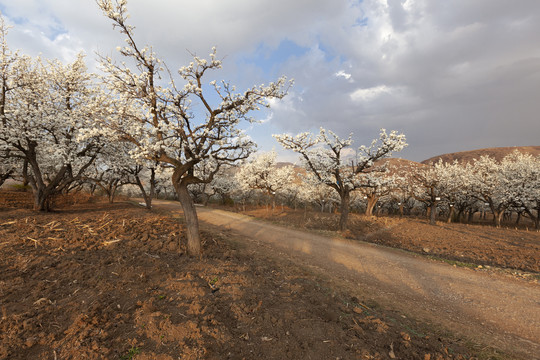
459,216
152,183
5,176
371,202
112,194
450,215
25,171
206,199
147,198
42,199
470,218
534,218
433,213
192,222
345,199
497,217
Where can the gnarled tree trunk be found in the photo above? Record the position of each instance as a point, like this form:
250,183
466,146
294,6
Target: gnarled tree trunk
42,199
147,197
371,202
192,222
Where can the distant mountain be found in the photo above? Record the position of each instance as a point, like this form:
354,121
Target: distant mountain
497,153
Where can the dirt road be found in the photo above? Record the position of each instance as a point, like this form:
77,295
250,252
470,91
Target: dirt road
486,307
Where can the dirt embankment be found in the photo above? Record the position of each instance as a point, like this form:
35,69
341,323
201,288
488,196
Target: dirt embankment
112,282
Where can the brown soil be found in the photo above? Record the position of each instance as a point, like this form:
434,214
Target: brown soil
488,307
480,245
99,281
13,199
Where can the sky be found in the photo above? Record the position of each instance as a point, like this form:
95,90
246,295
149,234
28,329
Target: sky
451,75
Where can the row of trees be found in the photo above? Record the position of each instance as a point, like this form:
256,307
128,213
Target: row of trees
457,190
512,184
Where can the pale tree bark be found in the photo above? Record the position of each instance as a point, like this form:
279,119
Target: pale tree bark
192,221
147,197
371,202
450,215
497,212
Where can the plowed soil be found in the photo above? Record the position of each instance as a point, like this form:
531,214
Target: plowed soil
100,281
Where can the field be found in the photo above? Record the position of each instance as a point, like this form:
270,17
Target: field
478,245
100,281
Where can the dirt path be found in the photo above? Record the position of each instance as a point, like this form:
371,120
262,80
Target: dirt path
485,307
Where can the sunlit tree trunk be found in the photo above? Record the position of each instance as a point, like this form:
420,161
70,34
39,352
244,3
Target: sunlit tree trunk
192,222
371,202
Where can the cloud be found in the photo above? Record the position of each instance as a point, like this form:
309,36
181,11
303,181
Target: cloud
370,93
451,75
343,74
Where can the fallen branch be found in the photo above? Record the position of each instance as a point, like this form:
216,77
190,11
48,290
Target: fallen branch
34,240
101,227
110,242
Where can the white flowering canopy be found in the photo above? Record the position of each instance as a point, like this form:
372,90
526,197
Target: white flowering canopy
262,173
324,157
177,123
172,119
45,106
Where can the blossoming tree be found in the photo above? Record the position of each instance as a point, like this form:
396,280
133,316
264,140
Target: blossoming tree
44,107
522,182
162,123
262,173
323,156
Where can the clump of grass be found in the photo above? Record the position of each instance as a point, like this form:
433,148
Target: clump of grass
21,187
131,353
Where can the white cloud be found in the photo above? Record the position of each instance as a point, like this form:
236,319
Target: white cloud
343,74
369,93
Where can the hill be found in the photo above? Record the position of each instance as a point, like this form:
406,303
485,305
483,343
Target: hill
497,153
